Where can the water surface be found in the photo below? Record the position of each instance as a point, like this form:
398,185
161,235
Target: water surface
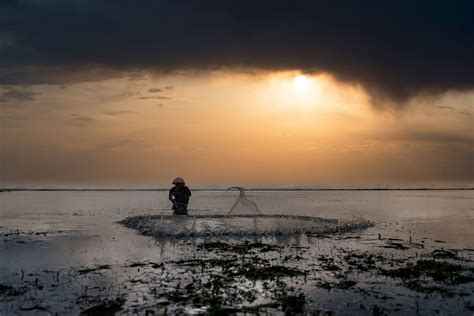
63,231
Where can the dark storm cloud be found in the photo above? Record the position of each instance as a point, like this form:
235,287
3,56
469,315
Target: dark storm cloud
395,49
6,3
155,90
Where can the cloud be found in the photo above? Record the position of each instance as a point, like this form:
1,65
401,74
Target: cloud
117,112
136,76
9,3
155,97
124,143
394,49
155,90
18,95
59,72
169,87
452,109
437,137
82,118
13,118
420,138
116,144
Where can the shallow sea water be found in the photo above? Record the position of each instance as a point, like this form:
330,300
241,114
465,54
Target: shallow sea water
60,231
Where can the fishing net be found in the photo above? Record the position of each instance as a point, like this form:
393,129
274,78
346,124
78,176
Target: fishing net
243,219
238,225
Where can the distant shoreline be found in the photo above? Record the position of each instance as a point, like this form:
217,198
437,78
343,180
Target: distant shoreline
247,189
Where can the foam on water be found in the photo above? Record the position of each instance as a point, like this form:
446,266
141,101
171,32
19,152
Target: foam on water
239,225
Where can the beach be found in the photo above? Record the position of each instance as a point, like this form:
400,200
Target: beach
70,252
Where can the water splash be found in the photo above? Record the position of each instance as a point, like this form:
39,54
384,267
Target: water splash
239,225
243,219
244,202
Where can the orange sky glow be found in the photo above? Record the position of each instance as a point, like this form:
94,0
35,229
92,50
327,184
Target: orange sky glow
229,127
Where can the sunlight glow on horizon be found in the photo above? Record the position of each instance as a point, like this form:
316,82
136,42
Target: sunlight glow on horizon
274,127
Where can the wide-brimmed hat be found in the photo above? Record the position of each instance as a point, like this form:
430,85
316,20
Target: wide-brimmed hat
178,180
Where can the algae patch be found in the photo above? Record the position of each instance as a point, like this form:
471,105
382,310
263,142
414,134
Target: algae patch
440,271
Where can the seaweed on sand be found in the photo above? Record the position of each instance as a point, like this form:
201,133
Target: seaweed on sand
444,254
221,296
217,293
292,304
253,268
343,285
328,263
7,290
364,261
440,271
229,290
395,245
211,263
422,287
33,308
100,267
346,284
267,272
138,264
242,248
107,307
377,311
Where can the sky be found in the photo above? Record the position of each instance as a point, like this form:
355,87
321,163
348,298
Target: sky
270,93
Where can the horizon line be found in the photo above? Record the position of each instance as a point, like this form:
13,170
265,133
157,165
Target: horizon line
247,189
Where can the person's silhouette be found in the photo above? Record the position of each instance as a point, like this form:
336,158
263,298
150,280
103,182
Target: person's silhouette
179,195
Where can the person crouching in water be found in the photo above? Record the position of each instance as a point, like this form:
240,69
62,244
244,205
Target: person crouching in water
179,196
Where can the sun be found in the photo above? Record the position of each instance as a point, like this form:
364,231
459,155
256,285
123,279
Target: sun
301,85
293,89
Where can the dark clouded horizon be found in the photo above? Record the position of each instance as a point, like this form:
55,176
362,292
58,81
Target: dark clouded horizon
395,50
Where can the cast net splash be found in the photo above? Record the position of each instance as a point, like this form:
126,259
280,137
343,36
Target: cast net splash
239,225
243,219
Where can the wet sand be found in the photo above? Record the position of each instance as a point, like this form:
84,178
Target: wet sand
70,259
